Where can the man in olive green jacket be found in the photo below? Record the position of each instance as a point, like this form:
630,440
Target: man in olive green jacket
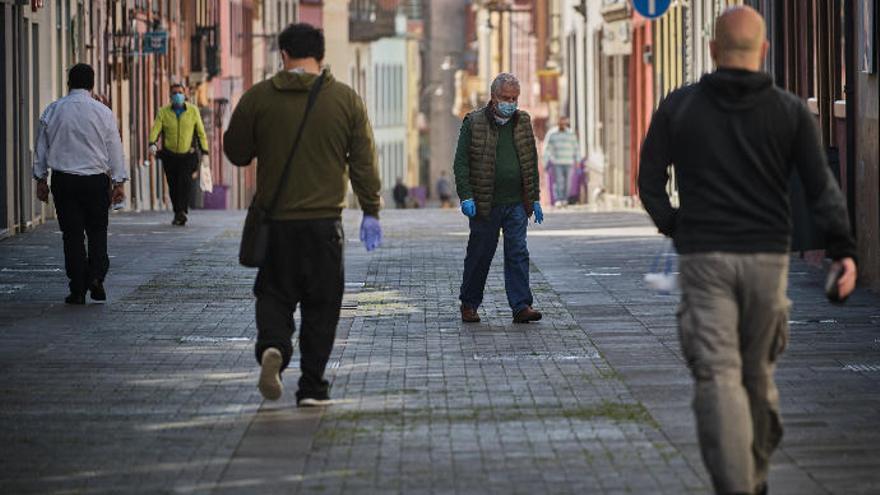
180,125
496,175
304,262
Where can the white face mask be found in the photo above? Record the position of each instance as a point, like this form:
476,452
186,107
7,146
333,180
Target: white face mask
501,120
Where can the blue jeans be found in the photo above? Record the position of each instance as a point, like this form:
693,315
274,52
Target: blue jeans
512,220
561,177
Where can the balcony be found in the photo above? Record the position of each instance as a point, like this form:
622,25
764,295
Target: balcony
370,20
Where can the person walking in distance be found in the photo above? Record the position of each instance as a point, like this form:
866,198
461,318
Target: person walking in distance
78,140
734,139
496,175
304,262
400,194
181,127
444,190
561,154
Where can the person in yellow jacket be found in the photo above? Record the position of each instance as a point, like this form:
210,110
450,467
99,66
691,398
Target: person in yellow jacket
179,123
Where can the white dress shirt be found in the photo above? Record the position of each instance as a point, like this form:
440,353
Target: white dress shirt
78,135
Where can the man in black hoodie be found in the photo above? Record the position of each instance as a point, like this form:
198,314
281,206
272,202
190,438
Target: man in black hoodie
734,139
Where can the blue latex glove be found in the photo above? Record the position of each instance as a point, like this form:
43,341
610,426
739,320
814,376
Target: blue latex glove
539,214
371,232
469,208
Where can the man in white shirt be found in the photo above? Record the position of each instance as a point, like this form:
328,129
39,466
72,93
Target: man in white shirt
561,153
79,141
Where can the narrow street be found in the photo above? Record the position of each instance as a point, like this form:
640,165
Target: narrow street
155,391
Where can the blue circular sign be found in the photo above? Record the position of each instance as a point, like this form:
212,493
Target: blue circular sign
651,9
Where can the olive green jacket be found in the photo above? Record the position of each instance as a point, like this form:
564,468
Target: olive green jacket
337,143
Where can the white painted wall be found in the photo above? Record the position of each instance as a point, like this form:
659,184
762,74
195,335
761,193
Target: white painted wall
387,104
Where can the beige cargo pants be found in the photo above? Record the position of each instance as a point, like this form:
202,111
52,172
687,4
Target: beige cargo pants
733,325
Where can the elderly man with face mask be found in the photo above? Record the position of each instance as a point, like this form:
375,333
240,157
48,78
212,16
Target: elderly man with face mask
178,123
496,175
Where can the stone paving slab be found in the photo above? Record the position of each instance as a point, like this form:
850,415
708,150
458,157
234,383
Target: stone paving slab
153,388
428,404
827,377
154,391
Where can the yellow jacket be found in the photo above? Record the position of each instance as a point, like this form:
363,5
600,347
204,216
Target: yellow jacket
177,132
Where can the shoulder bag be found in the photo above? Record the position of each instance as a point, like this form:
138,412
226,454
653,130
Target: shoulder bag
254,246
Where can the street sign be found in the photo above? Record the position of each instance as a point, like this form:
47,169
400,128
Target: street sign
156,42
651,9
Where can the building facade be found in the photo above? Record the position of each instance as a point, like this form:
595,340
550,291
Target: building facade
384,59
28,75
618,66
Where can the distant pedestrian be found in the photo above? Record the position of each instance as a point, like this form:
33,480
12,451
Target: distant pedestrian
304,264
561,155
400,194
79,141
444,190
734,139
496,175
181,127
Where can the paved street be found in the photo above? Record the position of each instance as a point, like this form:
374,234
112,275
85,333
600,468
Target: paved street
154,391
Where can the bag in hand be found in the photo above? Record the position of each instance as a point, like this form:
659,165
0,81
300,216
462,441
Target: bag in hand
206,181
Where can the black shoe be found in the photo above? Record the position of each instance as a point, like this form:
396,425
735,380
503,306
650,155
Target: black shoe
96,290
75,299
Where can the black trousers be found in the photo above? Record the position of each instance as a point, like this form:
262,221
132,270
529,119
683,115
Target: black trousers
83,203
304,267
178,172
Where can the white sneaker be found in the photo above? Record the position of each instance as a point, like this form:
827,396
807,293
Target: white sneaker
314,402
270,374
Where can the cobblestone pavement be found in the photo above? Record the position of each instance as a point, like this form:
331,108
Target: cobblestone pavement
154,391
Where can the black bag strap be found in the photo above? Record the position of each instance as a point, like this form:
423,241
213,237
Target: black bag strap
313,95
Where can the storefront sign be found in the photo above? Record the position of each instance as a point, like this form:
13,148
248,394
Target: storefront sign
616,38
156,42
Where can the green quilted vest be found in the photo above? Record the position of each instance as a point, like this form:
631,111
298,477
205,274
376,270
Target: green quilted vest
484,140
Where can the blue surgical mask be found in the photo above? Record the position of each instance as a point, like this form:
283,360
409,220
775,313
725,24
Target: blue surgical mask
178,99
506,109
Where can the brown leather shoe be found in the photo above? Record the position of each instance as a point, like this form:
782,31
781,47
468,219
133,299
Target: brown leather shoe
469,314
526,315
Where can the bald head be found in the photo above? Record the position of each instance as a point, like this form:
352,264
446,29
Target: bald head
740,39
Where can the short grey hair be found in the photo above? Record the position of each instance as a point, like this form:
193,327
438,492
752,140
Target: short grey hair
503,80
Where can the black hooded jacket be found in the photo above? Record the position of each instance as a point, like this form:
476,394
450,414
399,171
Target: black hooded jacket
733,139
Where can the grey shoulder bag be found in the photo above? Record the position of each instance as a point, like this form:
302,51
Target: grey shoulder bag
254,246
